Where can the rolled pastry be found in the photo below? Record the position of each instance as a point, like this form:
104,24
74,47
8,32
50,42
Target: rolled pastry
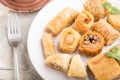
114,20
106,30
83,22
69,39
91,43
59,62
95,7
64,19
77,68
48,45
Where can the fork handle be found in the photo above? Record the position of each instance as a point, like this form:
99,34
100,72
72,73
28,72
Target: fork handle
16,66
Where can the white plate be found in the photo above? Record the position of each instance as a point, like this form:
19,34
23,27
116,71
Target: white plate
36,31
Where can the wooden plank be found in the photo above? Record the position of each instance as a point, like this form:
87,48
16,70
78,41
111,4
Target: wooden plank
6,75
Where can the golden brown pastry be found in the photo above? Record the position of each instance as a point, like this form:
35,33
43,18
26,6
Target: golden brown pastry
91,43
106,30
103,1
96,8
59,62
114,20
104,68
48,45
77,68
64,19
83,22
69,39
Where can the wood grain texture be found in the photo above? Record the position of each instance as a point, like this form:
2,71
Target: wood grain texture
27,71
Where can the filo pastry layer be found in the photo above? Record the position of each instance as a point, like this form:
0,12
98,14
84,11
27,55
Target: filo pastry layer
63,19
69,39
83,22
96,8
48,45
59,62
91,43
114,20
106,30
104,68
77,68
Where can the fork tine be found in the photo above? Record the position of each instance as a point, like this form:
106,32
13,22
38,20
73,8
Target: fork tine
14,23
8,26
18,25
11,25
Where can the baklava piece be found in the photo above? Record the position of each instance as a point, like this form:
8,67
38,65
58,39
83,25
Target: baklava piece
91,43
48,45
104,68
77,68
69,39
106,30
63,19
96,8
83,22
114,20
59,62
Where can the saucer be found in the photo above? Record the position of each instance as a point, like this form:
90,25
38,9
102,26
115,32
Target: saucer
24,7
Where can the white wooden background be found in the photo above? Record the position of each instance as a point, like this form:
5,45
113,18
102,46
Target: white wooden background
27,72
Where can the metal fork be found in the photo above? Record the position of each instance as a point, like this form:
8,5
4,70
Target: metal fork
14,38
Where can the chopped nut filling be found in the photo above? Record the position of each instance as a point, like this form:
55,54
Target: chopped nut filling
56,66
91,39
